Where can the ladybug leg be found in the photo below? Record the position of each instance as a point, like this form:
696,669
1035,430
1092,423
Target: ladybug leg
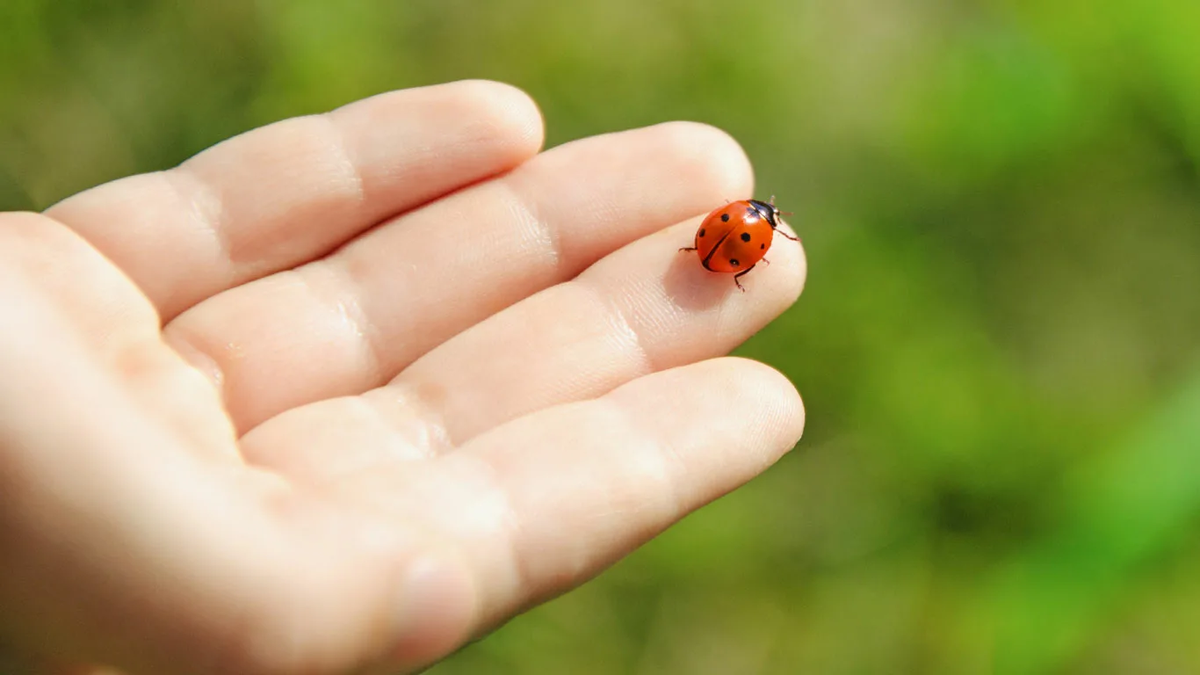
787,235
740,274
687,248
764,260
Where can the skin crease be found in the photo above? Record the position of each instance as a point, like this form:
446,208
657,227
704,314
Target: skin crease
343,392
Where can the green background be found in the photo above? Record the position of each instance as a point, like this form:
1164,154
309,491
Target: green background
1000,205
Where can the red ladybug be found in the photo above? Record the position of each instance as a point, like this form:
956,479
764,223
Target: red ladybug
736,236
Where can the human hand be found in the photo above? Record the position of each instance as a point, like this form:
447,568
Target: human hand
351,389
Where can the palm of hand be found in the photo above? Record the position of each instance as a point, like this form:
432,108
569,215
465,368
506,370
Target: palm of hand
356,387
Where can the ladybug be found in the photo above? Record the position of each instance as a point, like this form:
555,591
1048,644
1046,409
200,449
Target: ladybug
736,236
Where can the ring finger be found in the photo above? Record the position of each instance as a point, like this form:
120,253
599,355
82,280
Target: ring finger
643,309
351,321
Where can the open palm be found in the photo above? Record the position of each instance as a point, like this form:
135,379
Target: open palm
351,389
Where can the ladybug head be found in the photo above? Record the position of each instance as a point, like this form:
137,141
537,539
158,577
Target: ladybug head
767,210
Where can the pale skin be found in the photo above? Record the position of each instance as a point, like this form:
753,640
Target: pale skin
344,392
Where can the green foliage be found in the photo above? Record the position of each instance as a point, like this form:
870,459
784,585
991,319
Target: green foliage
1000,205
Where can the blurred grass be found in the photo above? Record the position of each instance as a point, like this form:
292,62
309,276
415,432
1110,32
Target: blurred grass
1000,204
1115,513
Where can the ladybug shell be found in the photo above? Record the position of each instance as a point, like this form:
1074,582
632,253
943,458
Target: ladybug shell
735,237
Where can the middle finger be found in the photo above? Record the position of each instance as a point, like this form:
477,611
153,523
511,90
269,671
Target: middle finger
351,321
643,309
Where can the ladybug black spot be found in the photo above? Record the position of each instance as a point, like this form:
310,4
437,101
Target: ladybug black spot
745,236
734,262
762,245
701,232
724,217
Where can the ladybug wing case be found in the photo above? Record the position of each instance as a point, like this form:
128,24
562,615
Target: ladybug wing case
744,245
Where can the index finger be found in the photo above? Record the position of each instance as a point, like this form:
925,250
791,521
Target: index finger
290,192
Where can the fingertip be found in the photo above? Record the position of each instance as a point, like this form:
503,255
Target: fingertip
793,273
780,407
502,121
718,164
510,111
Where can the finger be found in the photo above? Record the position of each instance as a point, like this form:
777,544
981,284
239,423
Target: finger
544,502
351,322
642,309
645,308
292,191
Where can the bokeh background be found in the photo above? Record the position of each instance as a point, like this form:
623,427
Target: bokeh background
997,345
